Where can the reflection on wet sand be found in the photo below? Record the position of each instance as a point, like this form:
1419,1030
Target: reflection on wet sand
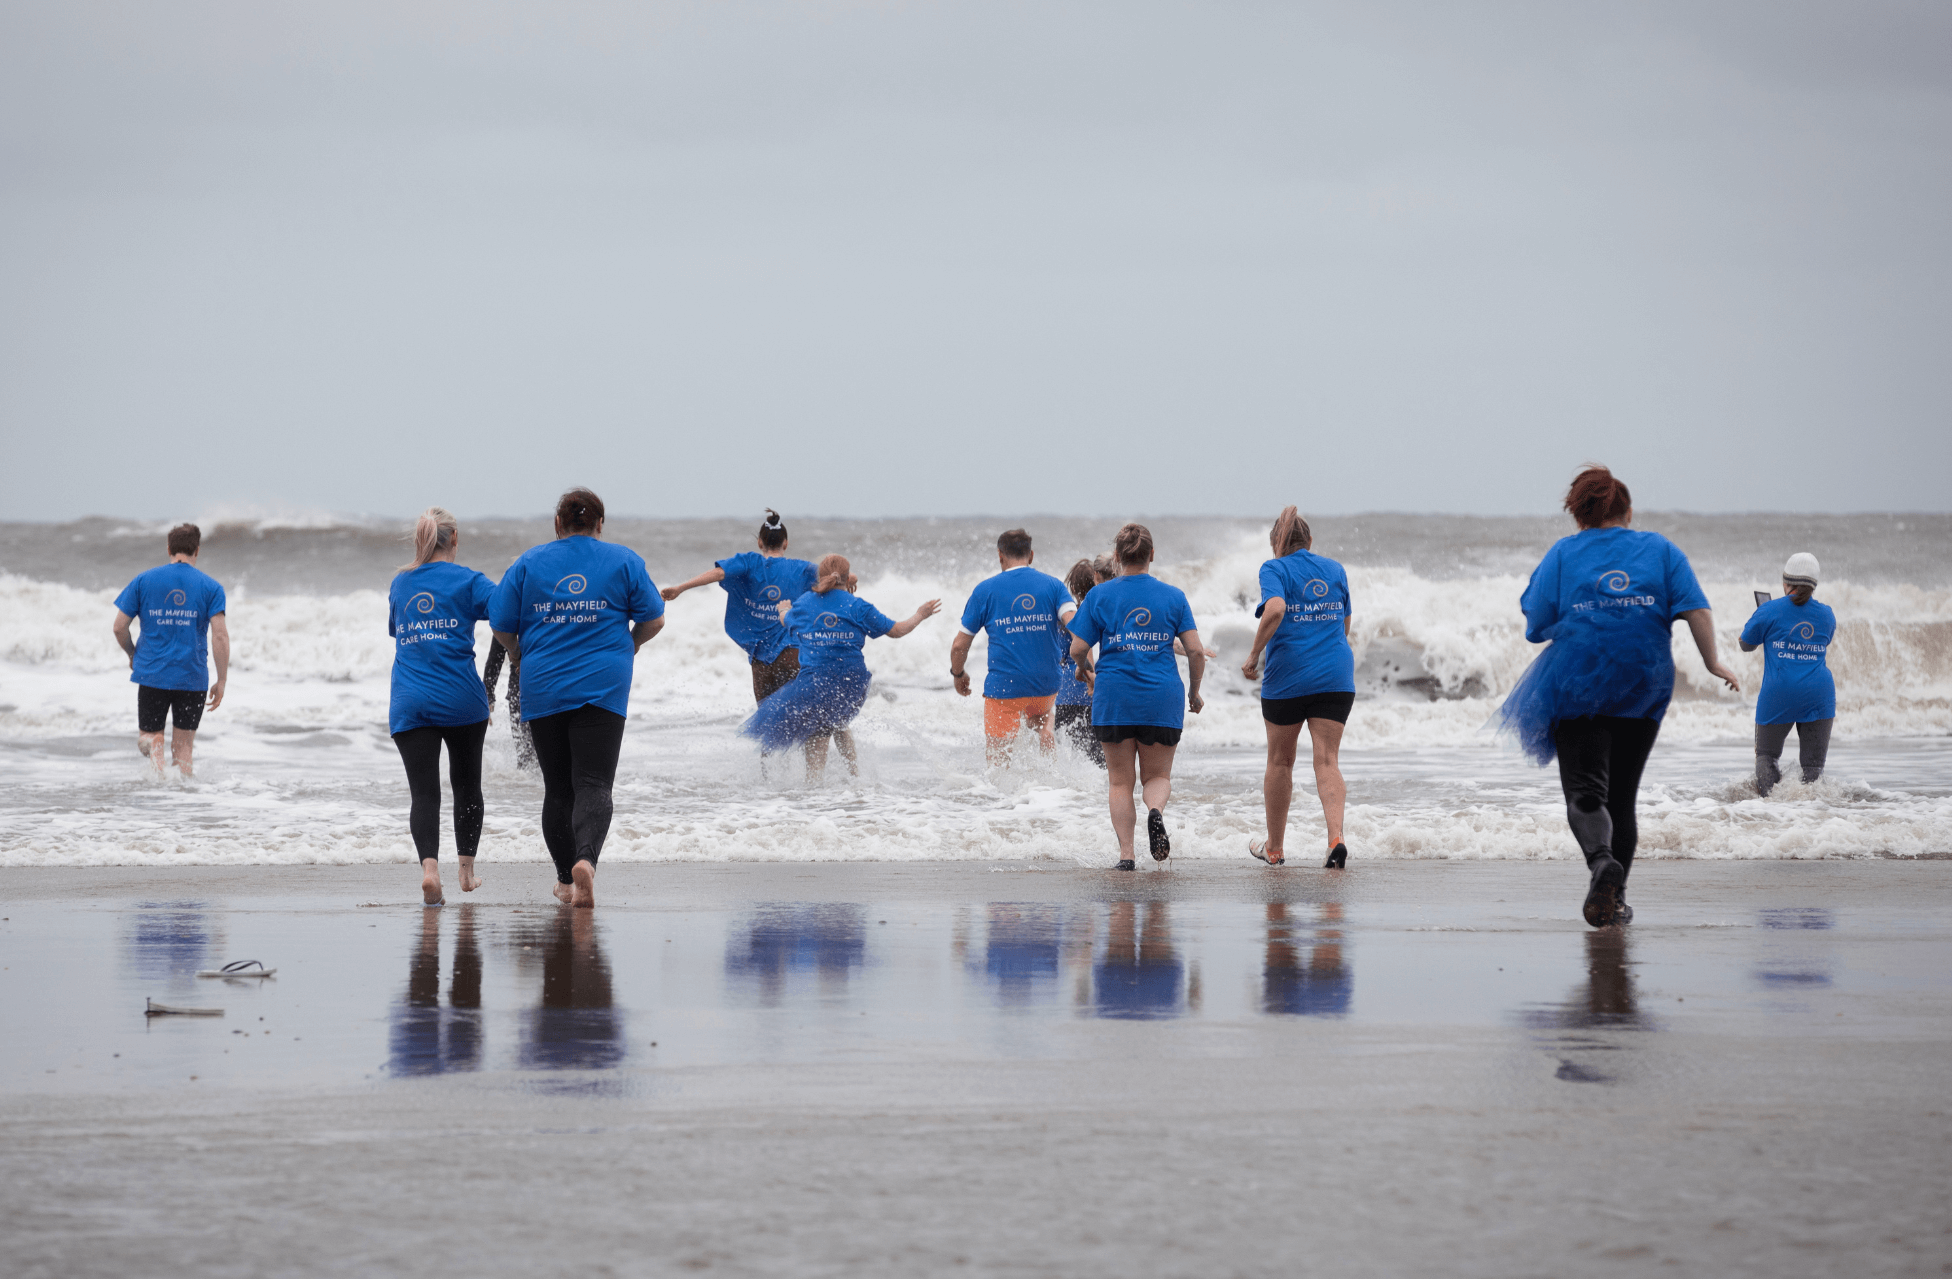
577,1027
1020,951
424,1038
1138,974
1789,961
1318,984
172,939
1607,1002
828,939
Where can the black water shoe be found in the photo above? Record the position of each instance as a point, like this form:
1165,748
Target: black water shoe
1338,857
1126,864
1603,891
1155,831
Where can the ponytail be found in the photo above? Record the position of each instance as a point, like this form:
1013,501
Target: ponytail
834,570
433,533
1291,533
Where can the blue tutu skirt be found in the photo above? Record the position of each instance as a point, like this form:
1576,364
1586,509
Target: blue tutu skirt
1587,674
818,701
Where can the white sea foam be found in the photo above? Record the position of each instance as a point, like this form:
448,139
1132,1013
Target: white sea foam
296,767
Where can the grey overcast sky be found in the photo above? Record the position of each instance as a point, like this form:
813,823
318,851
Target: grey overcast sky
991,257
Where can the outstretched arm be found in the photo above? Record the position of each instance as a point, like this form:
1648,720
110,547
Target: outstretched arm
920,615
710,575
1272,612
1701,622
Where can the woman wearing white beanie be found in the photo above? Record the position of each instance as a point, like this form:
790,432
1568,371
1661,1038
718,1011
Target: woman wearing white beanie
1794,634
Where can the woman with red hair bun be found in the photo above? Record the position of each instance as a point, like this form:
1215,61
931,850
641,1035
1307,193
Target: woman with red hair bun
1604,602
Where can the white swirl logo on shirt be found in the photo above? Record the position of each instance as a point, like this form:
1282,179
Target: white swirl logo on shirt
770,594
828,622
1615,581
421,603
1026,603
1806,630
1138,619
178,599
574,584
1316,587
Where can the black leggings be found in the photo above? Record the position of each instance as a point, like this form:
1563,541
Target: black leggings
1600,761
420,750
577,751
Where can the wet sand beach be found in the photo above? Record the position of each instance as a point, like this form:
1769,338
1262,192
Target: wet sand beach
1008,1068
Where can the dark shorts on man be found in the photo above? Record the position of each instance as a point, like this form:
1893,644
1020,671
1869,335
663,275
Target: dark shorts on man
156,707
1147,734
1294,710
770,677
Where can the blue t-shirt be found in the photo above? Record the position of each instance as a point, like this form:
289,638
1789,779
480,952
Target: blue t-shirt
1133,620
1071,690
832,629
572,603
754,586
430,613
174,604
1018,607
1610,597
1796,682
1309,653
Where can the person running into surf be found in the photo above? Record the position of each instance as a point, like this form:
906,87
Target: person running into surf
1794,634
1138,703
574,612
183,627
831,625
437,698
1073,716
1607,599
1310,679
1018,610
756,584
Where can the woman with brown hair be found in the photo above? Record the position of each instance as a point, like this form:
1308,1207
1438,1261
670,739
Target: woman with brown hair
1606,599
1310,679
574,612
1138,704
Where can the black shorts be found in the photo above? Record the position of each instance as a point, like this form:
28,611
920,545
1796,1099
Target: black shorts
155,707
1147,734
1293,710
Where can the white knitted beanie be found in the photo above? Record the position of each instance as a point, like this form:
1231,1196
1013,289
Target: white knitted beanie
1801,570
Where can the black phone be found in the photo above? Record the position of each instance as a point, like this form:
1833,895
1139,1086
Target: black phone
1761,598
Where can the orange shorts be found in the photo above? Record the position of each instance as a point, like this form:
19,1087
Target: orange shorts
1003,717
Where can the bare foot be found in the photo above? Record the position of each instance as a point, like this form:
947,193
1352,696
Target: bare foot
585,876
469,880
430,882
562,892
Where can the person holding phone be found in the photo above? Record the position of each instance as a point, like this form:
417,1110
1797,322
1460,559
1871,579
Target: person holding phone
1794,634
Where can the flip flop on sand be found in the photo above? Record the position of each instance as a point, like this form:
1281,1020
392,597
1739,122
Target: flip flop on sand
1257,849
238,968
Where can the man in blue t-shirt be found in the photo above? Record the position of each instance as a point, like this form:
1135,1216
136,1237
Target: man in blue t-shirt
1018,610
182,615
